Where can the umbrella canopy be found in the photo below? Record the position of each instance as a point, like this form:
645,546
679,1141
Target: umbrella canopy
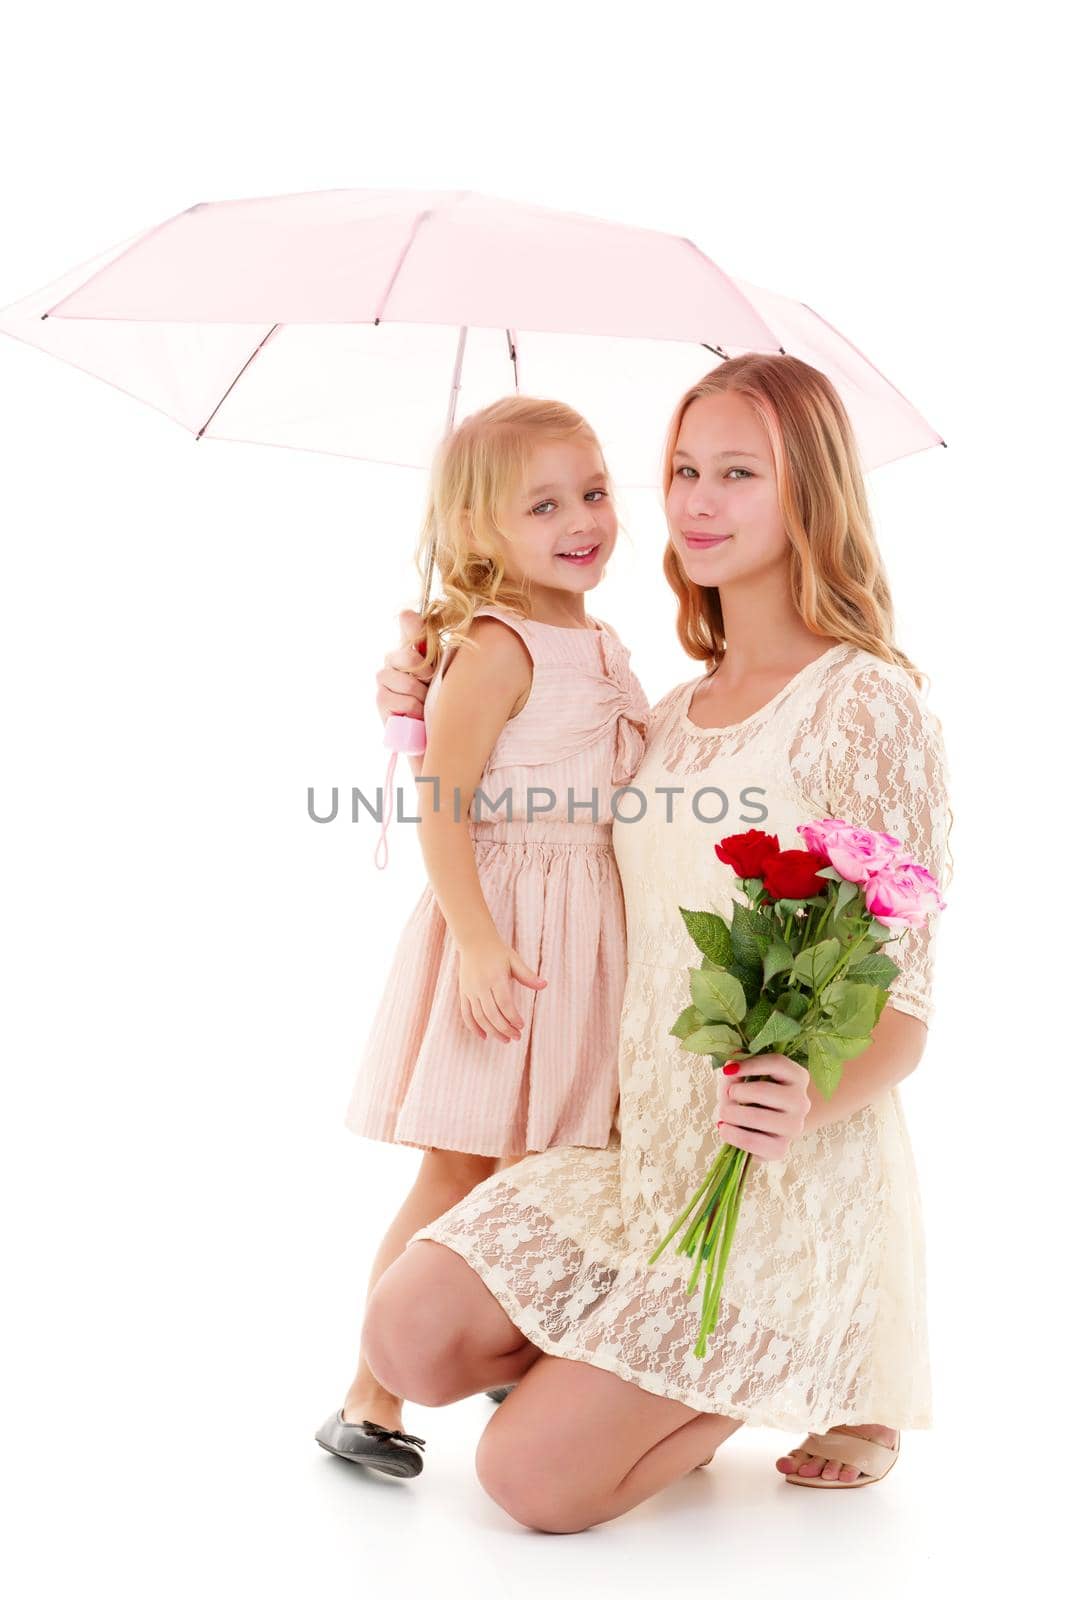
363,323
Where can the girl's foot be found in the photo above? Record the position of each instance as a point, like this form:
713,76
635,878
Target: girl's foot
800,1462
373,1405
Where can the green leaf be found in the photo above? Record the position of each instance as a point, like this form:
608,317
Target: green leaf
715,1038
847,892
750,935
849,928
709,933
750,979
854,1017
777,958
690,1020
880,932
874,969
813,966
794,1003
758,1012
753,887
826,1051
717,994
778,1029
824,1067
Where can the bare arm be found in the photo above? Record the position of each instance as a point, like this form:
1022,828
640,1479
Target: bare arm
895,1050
475,700
476,696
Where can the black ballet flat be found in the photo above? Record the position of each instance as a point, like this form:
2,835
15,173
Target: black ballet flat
369,1445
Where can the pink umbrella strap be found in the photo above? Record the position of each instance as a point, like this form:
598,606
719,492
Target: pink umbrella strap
382,847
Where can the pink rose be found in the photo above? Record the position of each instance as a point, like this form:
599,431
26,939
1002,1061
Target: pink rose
856,854
903,895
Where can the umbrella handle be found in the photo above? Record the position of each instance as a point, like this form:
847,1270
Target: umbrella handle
403,733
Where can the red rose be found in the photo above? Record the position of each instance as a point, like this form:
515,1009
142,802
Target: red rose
749,853
792,875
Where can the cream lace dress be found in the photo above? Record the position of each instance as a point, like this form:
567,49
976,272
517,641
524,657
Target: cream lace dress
823,1314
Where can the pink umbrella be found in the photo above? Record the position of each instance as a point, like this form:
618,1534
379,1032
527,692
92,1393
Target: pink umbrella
357,322
362,322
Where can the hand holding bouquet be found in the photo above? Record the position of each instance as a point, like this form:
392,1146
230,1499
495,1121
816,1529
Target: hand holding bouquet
799,973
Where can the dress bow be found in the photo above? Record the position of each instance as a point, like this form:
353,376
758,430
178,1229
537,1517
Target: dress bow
378,1432
631,708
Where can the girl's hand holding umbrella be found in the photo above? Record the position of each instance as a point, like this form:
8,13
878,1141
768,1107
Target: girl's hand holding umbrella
404,678
403,684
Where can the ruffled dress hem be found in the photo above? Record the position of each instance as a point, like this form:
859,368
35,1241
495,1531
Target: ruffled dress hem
528,1325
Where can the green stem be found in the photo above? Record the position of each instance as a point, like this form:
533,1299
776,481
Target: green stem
699,1252
733,1207
696,1198
711,1200
708,1243
723,1197
822,920
710,1305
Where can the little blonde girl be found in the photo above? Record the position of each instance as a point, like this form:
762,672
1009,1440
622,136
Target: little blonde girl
497,1033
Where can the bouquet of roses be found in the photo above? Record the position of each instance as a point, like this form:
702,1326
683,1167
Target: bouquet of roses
799,971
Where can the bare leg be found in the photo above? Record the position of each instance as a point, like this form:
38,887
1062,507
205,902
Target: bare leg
576,1446
476,1346
445,1176
798,1460
434,1331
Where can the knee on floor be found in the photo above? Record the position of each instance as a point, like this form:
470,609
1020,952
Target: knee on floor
505,1475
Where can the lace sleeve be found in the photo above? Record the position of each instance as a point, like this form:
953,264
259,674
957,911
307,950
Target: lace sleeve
884,768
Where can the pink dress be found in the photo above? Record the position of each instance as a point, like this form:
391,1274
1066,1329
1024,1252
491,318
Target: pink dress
553,891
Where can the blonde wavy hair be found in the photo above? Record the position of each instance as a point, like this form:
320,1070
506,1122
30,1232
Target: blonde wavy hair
477,470
837,578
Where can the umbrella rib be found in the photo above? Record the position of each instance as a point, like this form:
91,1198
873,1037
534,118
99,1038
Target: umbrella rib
732,286
238,378
137,240
513,353
867,360
416,225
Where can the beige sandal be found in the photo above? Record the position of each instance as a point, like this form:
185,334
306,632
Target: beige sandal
874,1460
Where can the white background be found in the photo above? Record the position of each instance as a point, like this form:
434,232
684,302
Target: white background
189,635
